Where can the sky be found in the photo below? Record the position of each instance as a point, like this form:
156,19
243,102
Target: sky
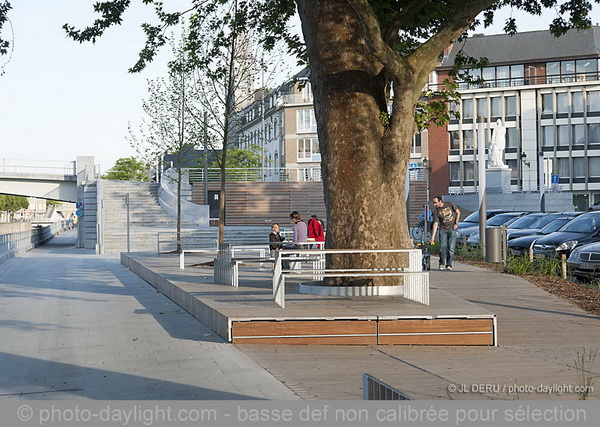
60,99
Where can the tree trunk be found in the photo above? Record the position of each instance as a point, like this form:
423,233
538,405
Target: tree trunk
364,158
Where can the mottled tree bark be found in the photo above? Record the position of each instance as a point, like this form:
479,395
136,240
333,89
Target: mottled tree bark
364,158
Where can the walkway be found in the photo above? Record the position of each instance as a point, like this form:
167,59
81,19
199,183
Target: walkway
539,338
74,325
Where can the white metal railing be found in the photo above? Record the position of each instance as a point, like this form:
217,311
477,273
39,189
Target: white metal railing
416,281
14,243
37,167
297,174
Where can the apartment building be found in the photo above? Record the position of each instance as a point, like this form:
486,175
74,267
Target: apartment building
546,90
282,123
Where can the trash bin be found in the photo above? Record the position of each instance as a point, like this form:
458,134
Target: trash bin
493,244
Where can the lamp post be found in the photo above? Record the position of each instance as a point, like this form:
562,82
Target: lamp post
482,181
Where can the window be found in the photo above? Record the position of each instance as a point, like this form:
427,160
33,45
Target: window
593,101
496,107
516,74
455,171
275,128
469,171
562,103
553,72
416,145
467,111
567,69
306,121
547,104
308,150
548,136
578,167
563,135
563,167
482,107
594,166
586,69
468,139
511,105
513,137
489,75
514,170
593,133
306,92
503,76
578,135
454,140
577,102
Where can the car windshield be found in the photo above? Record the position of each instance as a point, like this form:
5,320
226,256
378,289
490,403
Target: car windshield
474,217
500,219
547,219
527,221
587,223
554,225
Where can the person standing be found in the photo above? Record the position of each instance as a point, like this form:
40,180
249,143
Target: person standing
300,229
445,217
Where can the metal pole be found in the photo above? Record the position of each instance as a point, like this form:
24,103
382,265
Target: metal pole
541,181
482,181
205,158
128,231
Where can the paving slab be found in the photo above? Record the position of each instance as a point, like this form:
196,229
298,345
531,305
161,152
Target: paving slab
75,325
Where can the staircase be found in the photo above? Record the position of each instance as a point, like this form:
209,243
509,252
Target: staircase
146,217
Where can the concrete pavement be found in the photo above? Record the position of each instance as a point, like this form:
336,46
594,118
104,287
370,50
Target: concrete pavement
74,325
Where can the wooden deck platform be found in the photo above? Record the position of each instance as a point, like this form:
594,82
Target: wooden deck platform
248,315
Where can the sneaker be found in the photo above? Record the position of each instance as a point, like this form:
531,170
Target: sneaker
448,268
442,267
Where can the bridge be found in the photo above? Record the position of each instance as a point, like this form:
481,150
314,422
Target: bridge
45,179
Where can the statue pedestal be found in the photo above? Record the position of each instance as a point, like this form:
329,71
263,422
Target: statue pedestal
498,180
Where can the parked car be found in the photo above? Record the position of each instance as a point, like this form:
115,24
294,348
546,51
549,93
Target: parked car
584,261
519,228
473,219
527,225
582,229
473,239
496,221
521,245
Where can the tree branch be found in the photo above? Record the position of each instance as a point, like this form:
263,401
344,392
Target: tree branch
426,56
372,33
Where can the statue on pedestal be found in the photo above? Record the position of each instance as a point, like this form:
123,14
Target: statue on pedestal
497,146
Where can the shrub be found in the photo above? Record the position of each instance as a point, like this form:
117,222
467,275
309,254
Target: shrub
518,264
546,266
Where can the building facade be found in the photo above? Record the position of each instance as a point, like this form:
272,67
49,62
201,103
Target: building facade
282,123
546,90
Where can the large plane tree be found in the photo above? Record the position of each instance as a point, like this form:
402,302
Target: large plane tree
362,54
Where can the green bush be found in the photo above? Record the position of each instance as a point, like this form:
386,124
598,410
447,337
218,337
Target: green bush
518,264
546,266
469,253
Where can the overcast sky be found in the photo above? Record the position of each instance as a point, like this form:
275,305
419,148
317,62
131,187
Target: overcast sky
60,99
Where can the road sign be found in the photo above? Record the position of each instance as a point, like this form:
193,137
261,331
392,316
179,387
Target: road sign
79,205
79,212
555,179
413,165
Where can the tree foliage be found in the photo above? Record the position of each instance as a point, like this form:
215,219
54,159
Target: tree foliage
12,204
128,169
